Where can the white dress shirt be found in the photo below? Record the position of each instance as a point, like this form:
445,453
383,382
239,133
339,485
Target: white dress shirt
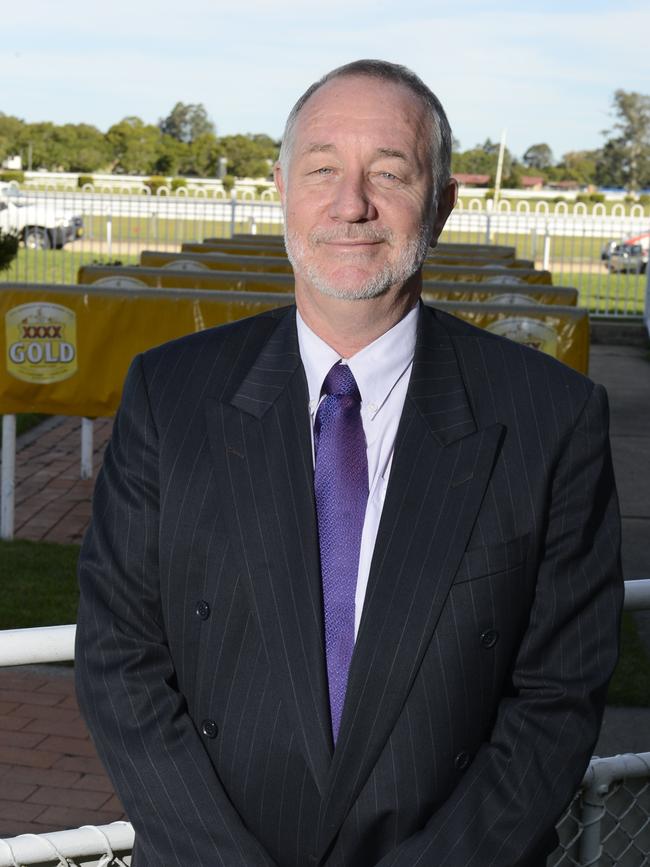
382,371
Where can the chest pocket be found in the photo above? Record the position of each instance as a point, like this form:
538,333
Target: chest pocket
492,559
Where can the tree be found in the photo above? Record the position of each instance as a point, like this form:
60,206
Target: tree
186,122
625,159
249,155
538,156
135,146
482,160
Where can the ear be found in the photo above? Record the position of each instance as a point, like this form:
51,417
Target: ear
446,203
279,180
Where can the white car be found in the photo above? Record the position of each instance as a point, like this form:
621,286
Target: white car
40,224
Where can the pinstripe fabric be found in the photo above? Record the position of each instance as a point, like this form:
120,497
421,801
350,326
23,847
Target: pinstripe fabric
471,710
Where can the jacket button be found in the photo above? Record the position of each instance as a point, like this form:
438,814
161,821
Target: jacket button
202,609
489,638
462,760
209,728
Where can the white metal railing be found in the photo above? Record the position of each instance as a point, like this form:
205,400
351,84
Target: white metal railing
90,846
582,829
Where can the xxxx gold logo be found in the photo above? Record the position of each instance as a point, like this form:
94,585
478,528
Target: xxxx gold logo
41,342
529,331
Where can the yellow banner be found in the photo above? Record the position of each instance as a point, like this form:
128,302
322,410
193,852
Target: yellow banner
66,350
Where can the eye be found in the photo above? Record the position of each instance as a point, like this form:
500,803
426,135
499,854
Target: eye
324,170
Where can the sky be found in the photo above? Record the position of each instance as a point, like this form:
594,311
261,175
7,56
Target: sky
543,71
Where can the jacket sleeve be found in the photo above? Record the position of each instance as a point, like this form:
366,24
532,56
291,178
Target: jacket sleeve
503,811
125,676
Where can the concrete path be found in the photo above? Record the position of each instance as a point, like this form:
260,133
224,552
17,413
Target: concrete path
50,777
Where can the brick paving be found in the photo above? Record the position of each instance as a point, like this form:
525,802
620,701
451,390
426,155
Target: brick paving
52,501
50,776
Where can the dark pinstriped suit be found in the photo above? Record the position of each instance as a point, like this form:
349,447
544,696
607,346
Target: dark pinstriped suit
488,632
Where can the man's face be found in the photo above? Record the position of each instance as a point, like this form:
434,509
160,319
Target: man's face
358,195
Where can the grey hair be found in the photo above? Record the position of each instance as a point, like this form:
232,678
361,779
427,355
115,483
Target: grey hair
397,74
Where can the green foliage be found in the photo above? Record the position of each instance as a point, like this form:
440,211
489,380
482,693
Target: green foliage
248,155
597,198
644,199
178,184
135,146
186,123
625,158
538,156
228,182
12,175
82,180
8,248
155,182
260,189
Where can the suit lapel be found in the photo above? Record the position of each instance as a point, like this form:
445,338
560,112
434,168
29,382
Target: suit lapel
440,470
262,447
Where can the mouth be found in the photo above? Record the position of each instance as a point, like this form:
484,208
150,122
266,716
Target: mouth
346,244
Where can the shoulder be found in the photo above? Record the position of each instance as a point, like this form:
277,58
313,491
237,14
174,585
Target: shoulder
208,362
499,372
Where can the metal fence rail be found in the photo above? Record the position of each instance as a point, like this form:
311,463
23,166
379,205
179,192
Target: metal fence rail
565,238
607,824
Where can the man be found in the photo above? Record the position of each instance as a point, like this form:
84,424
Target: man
351,592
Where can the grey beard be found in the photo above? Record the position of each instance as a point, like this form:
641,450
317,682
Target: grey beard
409,260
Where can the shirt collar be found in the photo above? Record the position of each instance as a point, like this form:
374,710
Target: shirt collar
376,368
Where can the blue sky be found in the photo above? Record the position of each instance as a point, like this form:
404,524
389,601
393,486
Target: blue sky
544,71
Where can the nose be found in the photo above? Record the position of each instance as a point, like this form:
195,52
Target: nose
351,202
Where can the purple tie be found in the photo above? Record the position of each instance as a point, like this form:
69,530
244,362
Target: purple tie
341,487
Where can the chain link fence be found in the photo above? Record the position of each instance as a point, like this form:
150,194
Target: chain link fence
608,822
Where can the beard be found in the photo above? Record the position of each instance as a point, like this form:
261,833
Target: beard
393,273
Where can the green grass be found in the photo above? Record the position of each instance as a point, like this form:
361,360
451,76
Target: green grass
39,585
630,685
57,266
39,588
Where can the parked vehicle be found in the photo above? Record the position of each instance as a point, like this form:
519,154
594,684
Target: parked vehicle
40,224
627,258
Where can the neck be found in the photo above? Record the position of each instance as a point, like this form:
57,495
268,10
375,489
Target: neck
349,326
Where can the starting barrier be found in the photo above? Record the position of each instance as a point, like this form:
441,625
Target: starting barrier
67,350
181,275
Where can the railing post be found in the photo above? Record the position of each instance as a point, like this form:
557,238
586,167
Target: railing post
233,208
8,483
109,236
646,314
488,227
590,848
547,249
86,448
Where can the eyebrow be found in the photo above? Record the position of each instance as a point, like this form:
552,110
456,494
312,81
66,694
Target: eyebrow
392,152
325,147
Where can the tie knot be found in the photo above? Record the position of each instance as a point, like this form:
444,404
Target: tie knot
340,380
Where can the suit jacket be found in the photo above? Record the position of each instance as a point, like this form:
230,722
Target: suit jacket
488,633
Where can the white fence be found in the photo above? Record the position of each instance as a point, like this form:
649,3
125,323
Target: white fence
607,824
567,238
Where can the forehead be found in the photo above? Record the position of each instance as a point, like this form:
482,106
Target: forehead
363,108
